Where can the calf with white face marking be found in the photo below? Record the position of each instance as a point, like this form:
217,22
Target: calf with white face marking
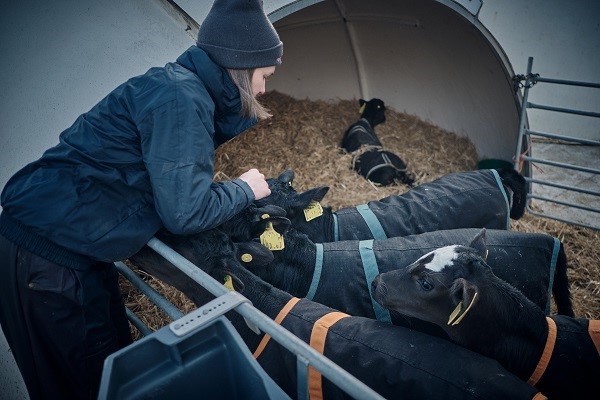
454,288
339,274
394,361
472,199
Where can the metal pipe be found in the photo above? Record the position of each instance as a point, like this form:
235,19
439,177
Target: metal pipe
562,165
146,289
328,368
523,116
571,83
564,203
563,137
302,374
557,185
549,216
137,322
563,110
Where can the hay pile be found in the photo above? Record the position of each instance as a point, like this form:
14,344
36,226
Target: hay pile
305,135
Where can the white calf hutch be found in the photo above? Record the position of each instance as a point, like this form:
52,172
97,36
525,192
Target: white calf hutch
435,59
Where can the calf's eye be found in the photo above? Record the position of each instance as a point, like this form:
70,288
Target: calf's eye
425,284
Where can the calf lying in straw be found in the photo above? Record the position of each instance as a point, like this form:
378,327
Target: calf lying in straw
371,160
454,288
396,362
472,199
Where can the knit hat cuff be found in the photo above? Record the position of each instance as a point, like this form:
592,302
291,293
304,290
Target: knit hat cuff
243,59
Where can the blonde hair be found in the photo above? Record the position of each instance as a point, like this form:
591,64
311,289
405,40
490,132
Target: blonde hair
250,105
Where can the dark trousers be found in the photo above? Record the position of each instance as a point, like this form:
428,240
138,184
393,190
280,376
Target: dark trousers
60,323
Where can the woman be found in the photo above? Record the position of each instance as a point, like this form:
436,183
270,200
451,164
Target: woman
139,160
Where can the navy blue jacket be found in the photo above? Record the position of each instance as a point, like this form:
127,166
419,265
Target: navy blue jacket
140,159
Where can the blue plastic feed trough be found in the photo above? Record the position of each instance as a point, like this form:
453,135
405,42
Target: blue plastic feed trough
212,362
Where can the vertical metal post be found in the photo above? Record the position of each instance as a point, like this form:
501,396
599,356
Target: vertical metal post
523,114
302,377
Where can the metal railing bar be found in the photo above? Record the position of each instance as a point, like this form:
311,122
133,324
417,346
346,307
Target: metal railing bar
525,133
564,203
590,142
302,374
146,289
137,322
336,374
549,216
557,185
567,82
562,165
522,119
563,110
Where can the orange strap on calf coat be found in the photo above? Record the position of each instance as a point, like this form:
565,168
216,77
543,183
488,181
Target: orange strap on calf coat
594,331
317,342
282,314
546,355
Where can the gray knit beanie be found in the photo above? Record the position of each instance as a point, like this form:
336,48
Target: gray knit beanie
237,34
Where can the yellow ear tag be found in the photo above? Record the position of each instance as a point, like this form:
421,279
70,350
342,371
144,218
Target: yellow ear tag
246,257
455,321
271,239
229,283
362,108
313,211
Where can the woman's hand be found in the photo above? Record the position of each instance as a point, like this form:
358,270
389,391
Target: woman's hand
257,183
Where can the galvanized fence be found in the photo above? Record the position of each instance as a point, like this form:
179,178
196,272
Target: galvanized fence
305,355
521,157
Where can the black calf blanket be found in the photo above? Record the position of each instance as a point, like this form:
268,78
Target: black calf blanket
361,133
375,164
459,200
396,362
344,270
382,167
573,355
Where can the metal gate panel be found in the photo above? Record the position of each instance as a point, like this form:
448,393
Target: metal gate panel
524,160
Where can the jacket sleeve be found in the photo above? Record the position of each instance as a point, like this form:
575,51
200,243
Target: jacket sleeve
178,152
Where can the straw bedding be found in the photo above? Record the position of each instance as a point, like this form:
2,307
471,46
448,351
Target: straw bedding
305,135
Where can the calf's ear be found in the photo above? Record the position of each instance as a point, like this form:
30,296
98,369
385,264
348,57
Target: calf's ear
304,199
252,254
280,224
271,210
464,295
286,176
478,243
230,280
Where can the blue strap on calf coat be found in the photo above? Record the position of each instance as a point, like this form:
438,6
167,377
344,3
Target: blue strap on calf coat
140,159
344,270
451,202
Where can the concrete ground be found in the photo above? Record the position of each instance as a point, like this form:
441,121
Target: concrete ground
586,156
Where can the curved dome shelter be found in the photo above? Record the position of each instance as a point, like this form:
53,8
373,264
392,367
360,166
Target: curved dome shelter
433,59
430,58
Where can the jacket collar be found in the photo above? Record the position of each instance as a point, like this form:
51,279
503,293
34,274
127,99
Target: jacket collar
223,92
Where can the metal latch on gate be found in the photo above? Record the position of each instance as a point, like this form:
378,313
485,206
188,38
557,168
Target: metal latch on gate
209,312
